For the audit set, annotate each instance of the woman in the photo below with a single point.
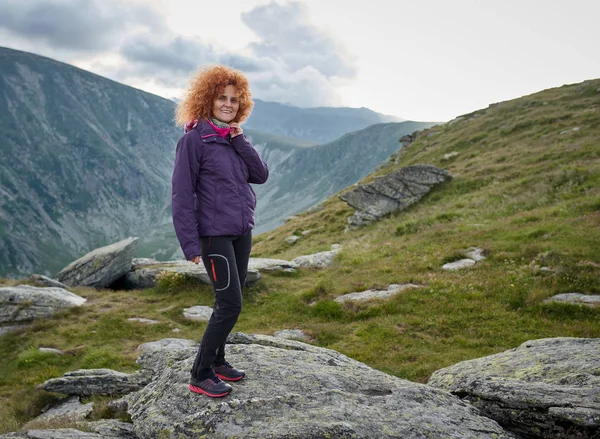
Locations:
(213, 207)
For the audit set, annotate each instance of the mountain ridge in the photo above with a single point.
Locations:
(91, 164)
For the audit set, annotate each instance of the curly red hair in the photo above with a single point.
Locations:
(206, 86)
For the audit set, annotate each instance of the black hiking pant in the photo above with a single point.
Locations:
(226, 261)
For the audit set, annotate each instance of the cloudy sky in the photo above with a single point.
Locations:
(428, 60)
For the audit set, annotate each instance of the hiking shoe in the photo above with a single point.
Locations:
(211, 386)
(227, 372)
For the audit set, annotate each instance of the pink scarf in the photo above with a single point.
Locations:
(223, 132)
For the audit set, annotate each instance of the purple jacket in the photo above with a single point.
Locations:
(211, 194)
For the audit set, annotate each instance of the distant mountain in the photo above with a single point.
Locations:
(87, 161)
(318, 125)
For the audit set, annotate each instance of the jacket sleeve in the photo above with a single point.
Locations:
(182, 196)
(259, 172)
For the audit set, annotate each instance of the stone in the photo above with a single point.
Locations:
(147, 275)
(576, 298)
(265, 264)
(318, 260)
(477, 254)
(45, 281)
(306, 232)
(313, 393)
(450, 155)
(198, 313)
(25, 302)
(394, 192)
(391, 291)
(290, 218)
(457, 265)
(100, 267)
(292, 239)
(570, 131)
(51, 351)
(291, 334)
(88, 382)
(543, 388)
(68, 409)
(143, 320)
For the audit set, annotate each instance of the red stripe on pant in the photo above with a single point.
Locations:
(212, 263)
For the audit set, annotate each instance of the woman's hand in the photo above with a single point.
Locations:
(195, 260)
(236, 129)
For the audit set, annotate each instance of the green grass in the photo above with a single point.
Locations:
(522, 191)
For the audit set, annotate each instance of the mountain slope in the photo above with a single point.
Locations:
(318, 125)
(526, 189)
(90, 162)
(85, 161)
(310, 175)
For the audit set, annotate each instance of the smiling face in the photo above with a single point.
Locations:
(226, 105)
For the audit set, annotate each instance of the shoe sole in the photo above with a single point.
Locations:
(226, 378)
(204, 392)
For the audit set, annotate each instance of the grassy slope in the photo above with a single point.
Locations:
(523, 191)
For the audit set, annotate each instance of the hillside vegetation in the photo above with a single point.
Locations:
(525, 189)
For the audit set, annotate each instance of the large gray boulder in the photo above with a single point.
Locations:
(391, 193)
(147, 274)
(100, 267)
(45, 281)
(25, 302)
(543, 388)
(266, 264)
(87, 382)
(294, 390)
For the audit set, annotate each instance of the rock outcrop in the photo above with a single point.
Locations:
(147, 274)
(363, 296)
(318, 260)
(576, 299)
(458, 265)
(266, 264)
(543, 388)
(473, 255)
(68, 409)
(105, 429)
(100, 267)
(24, 302)
(45, 281)
(391, 193)
(87, 382)
(313, 392)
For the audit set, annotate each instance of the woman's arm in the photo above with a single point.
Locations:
(259, 172)
(183, 182)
